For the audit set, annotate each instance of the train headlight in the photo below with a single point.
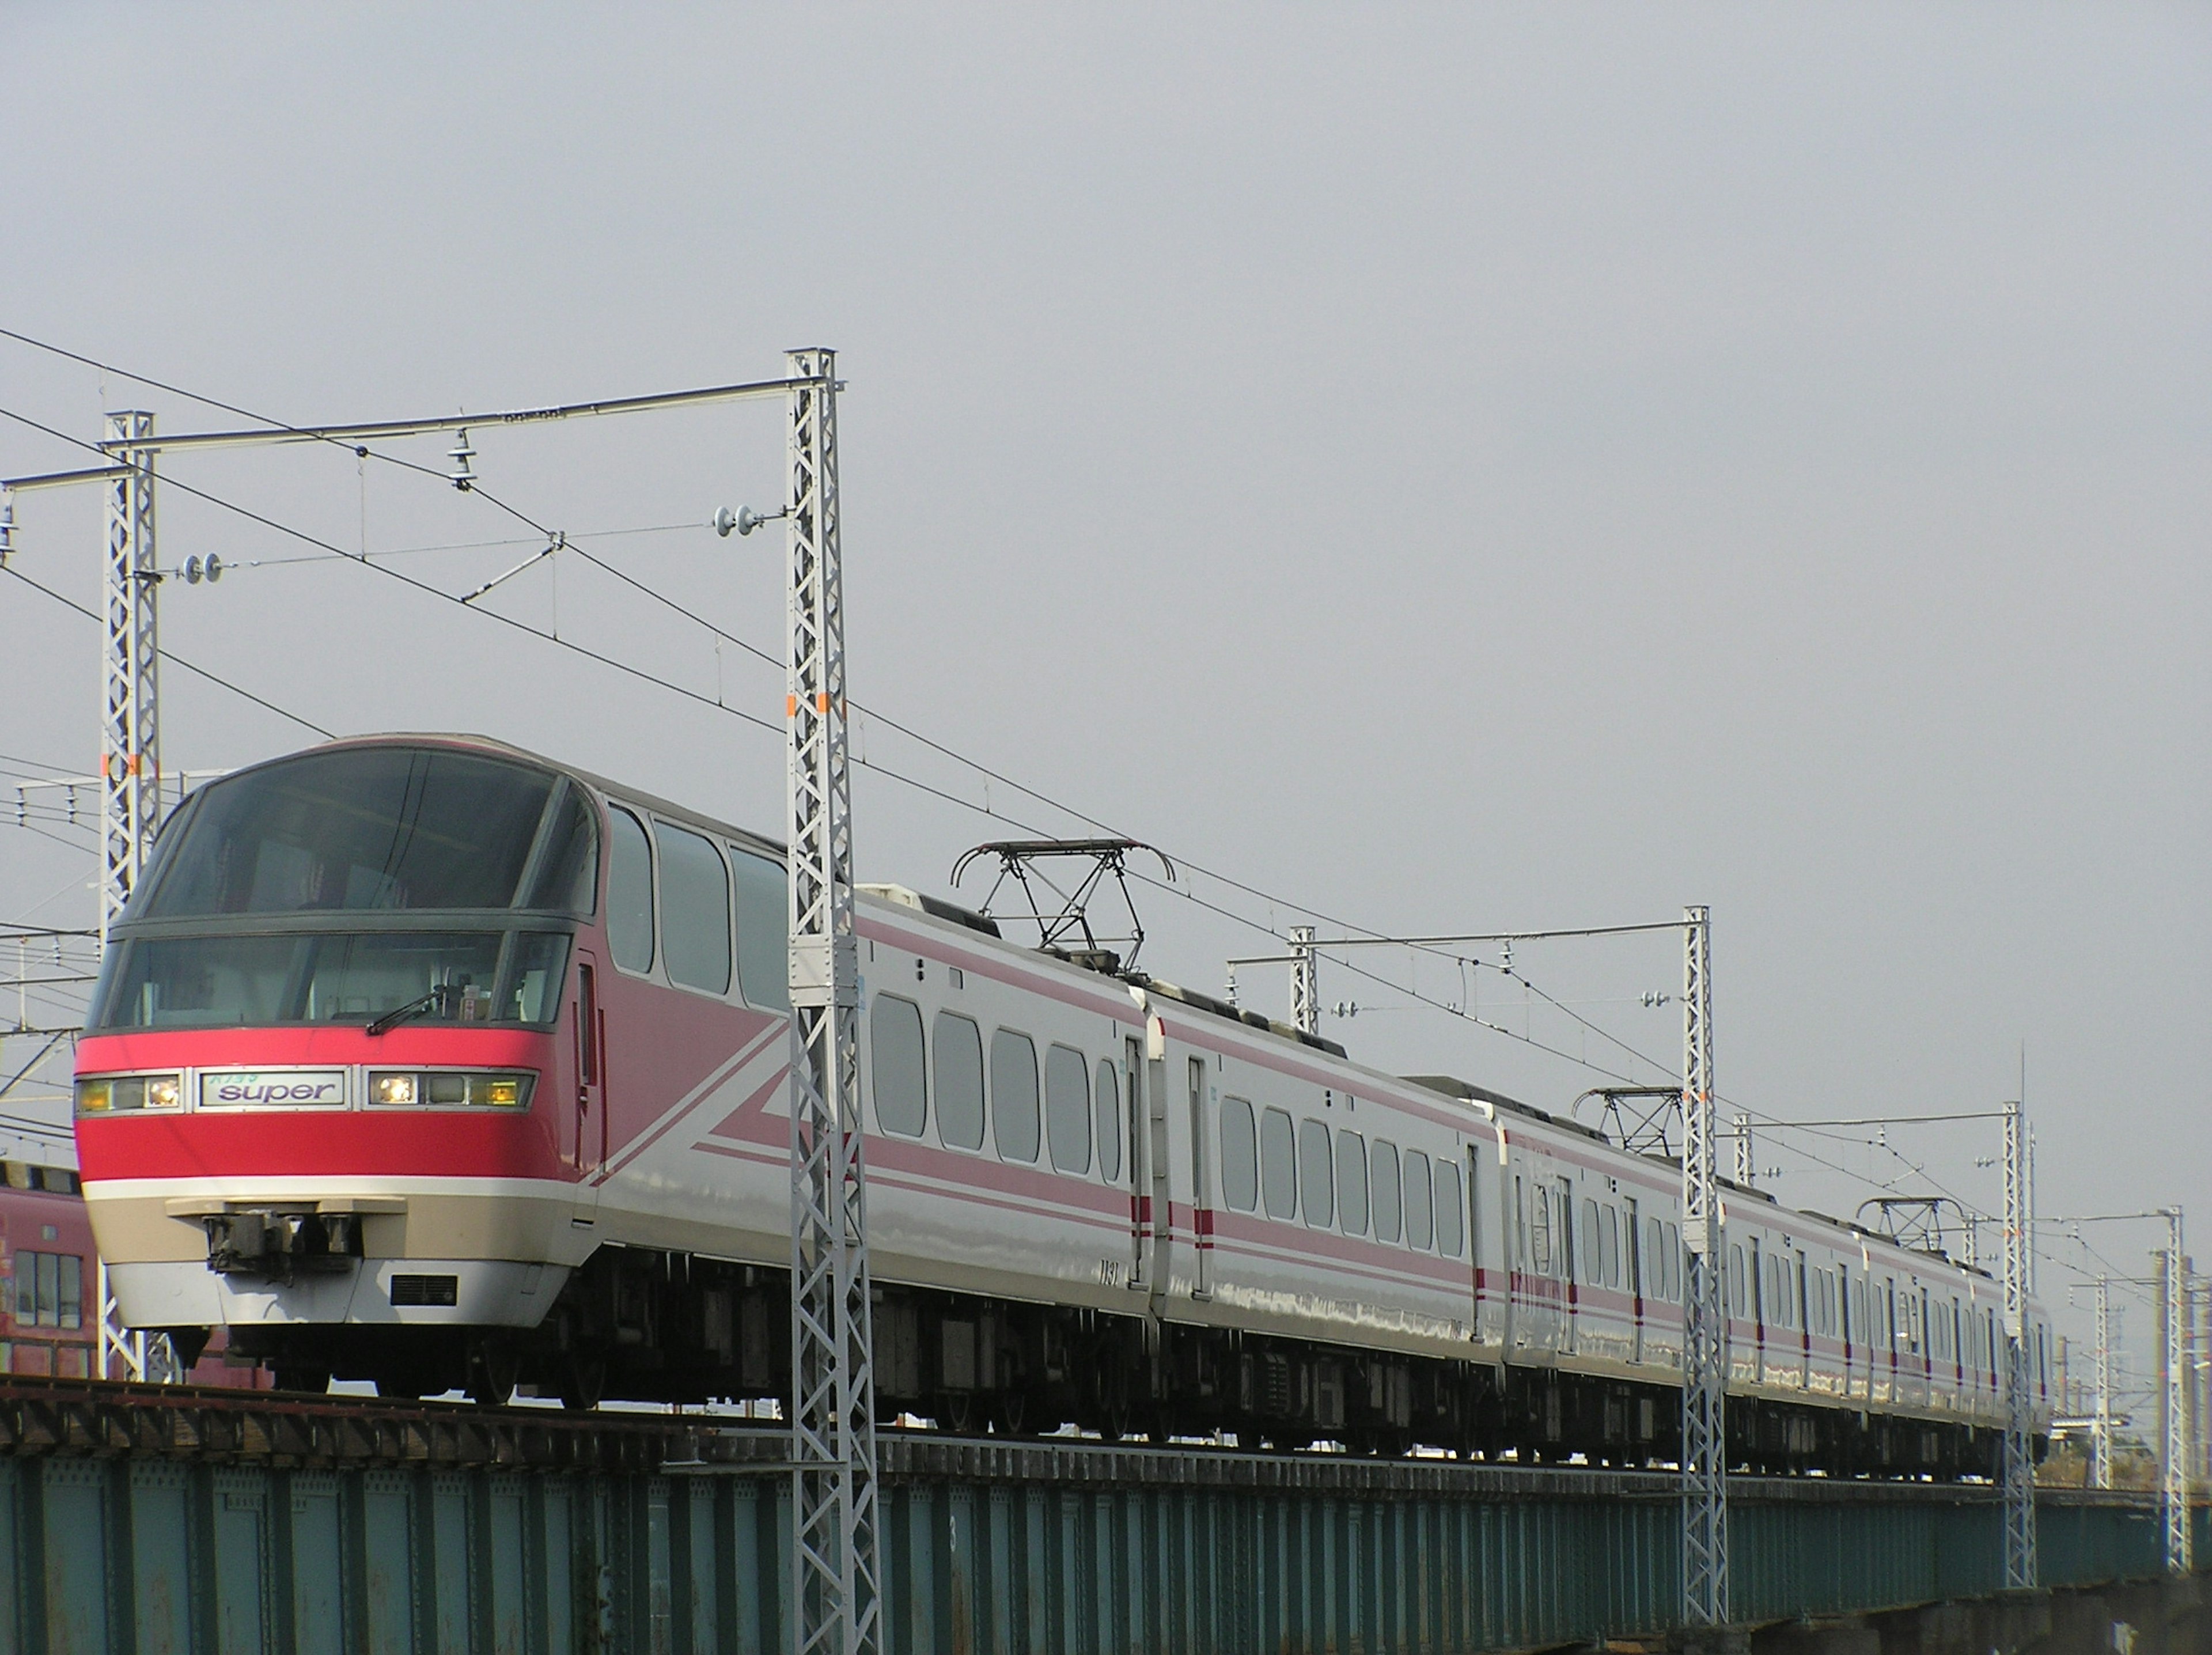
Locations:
(121, 1094)
(452, 1089)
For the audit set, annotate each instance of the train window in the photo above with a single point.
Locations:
(1738, 1306)
(763, 930)
(1448, 1211)
(1382, 1185)
(1672, 1258)
(1240, 1156)
(48, 1268)
(1317, 1177)
(629, 892)
(1067, 1109)
(896, 1062)
(1610, 1219)
(70, 1299)
(568, 875)
(1351, 1182)
(1420, 1211)
(1655, 1259)
(694, 903)
(1013, 1096)
(1593, 1271)
(1107, 1099)
(378, 827)
(1540, 1233)
(541, 960)
(1279, 1164)
(958, 1073)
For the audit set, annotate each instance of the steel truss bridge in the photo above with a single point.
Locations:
(139, 1518)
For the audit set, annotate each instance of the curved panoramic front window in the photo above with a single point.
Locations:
(366, 829)
(356, 977)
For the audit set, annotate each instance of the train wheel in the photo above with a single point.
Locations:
(290, 1376)
(583, 1382)
(493, 1370)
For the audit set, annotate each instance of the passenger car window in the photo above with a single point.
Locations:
(763, 930)
(1014, 1095)
(1240, 1161)
(1067, 1109)
(958, 1073)
(1106, 1097)
(1382, 1184)
(695, 901)
(895, 1037)
(1420, 1225)
(1316, 1176)
(1352, 1183)
(1450, 1213)
(629, 892)
(1279, 1164)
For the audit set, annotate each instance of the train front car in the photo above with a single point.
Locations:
(326, 1091)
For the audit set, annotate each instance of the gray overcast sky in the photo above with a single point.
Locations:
(1456, 469)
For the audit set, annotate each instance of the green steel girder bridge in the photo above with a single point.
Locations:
(141, 1519)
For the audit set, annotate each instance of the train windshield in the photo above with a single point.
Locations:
(365, 977)
(384, 828)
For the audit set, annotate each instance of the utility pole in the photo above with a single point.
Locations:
(834, 1595)
(2101, 1429)
(131, 721)
(1744, 1169)
(2173, 1366)
(1704, 1325)
(2021, 1571)
(1305, 982)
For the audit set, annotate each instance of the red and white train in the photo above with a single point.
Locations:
(428, 1061)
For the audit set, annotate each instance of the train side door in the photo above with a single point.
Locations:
(1632, 1235)
(587, 1131)
(1159, 1221)
(1201, 1188)
(1138, 1125)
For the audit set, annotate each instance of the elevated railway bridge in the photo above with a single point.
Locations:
(143, 1518)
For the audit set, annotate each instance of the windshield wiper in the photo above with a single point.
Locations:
(438, 1000)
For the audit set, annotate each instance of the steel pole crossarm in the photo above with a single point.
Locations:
(372, 430)
(60, 479)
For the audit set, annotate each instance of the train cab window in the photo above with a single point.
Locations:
(1106, 1098)
(958, 1074)
(1067, 1109)
(1351, 1182)
(1317, 1176)
(896, 1063)
(630, 892)
(1382, 1185)
(1240, 1156)
(1279, 1164)
(763, 931)
(1420, 1209)
(541, 960)
(695, 909)
(1014, 1095)
(1609, 1250)
(1450, 1213)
